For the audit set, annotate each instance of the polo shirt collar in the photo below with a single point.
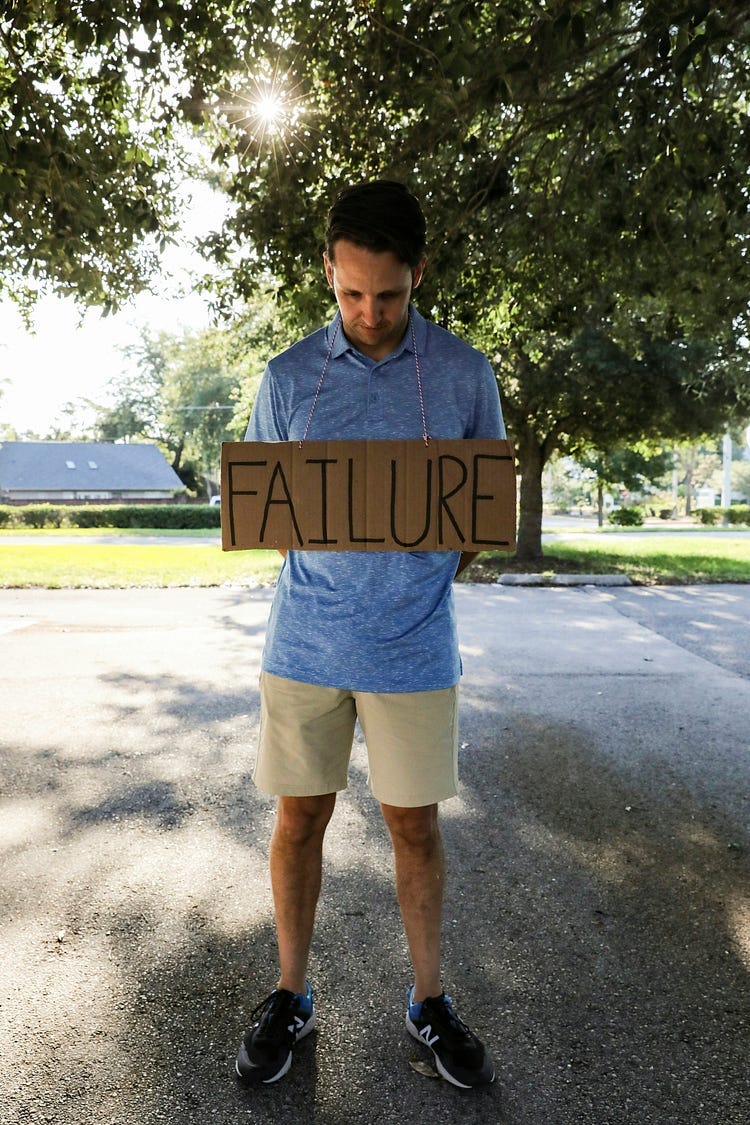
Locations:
(341, 345)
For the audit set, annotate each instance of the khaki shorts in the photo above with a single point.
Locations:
(306, 735)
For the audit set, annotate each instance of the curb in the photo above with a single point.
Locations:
(563, 580)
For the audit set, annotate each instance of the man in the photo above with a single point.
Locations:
(368, 635)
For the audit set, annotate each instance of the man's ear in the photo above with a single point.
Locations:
(418, 273)
(328, 265)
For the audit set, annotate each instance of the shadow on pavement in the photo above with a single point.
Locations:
(619, 934)
(597, 923)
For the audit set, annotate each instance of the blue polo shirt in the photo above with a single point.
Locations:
(371, 620)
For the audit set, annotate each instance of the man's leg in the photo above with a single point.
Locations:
(296, 866)
(460, 1056)
(420, 875)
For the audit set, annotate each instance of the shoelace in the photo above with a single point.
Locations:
(454, 1022)
(273, 1022)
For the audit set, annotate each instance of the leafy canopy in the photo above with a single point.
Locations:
(91, 138)
(583, 166)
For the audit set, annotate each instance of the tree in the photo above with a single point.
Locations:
(584, 170)
(193, 390)
(583, 166)
(182, 400)
(595, 392)
(696, 465)
(629, 468)
(94, 104)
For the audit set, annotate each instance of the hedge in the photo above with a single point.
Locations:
(186, 517)
(737, 515)
(180, 517)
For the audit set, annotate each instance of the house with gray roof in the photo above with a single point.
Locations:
(76, 472)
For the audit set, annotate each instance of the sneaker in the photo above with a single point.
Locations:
(459, 1055)
(281, 1019)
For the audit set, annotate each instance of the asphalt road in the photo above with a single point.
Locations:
(598, 911)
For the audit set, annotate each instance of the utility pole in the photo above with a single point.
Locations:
(726, 460)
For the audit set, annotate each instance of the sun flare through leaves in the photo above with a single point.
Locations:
(270, 114)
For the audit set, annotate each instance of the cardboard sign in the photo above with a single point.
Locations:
(457, 495)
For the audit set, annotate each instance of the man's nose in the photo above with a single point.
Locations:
(372, 311)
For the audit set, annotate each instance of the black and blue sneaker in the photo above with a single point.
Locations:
(460, 1057)
(280, 1020)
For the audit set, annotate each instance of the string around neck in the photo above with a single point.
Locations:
(337, 321)
(425, 432)
(337, 327)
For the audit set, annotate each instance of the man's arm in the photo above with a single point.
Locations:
(487, 422)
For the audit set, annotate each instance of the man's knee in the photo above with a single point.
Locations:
(300, 820)
(416, 829)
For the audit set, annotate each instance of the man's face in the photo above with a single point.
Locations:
(372, 291)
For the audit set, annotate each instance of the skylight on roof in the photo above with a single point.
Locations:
(93, 465)
(71, 464)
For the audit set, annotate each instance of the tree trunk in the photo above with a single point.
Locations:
(531, 462)
(689, 472)
(177, 458)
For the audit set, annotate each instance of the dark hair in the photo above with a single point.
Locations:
(380, 215)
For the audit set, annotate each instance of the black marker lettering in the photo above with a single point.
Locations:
(279, 472)
(477, 496)
(324, 462)
(428, 508)
(352, 537)
(239, 491)
(444, 497)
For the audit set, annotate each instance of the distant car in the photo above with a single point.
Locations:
(214, 501)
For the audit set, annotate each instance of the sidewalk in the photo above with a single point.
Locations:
(597, 924)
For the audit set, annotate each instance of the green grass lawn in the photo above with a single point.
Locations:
(679, 560)
(98, 565)
(108, 532)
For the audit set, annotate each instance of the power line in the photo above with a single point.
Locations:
(215, 406)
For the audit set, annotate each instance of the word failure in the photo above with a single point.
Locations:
(457, 495)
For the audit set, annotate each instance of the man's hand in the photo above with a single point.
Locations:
(467, 557)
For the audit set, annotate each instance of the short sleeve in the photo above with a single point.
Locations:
(266, 421)
(487, 421)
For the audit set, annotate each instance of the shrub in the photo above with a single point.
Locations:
(7, 515)
(708, 516)
(42, 515)
(627, 517)
(738, 514)
(180, 517)
(99, 516)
